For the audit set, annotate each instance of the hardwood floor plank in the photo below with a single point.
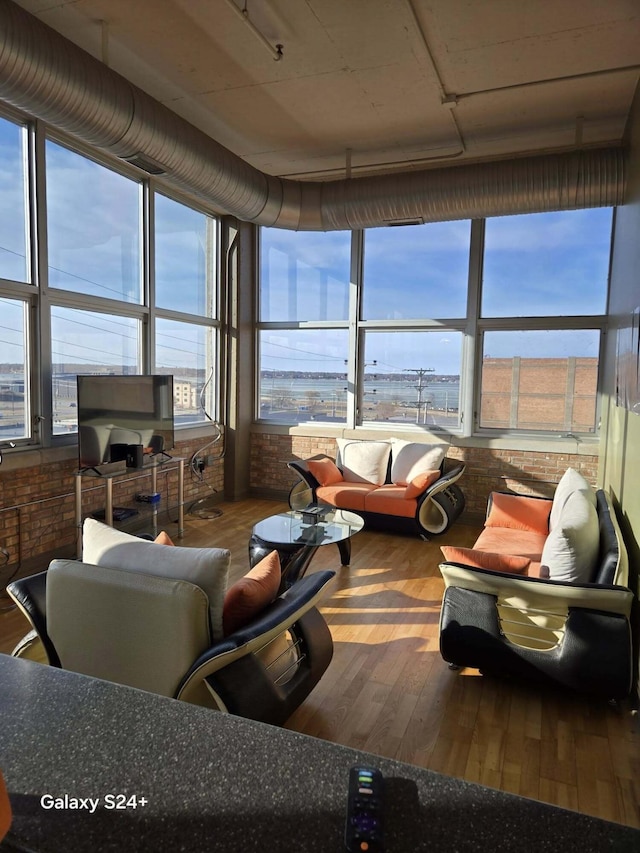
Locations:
(389, 692)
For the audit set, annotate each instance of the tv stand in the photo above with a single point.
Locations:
(107, 477)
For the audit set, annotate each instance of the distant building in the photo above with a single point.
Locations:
(184, 395)
(539, 393)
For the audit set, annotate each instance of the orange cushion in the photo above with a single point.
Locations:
(325, 471)
(390, 500)
(519, 513)
(421, 482)
(251, 594)
(345, 495)
(486, 560)
(501, 540)
(163, 538)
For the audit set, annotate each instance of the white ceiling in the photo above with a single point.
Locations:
(370, 76)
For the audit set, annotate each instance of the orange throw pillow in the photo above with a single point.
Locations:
(519, 513)
(163, 539)
(251, 594)
(486, 560)
(325, 471)
(421, 482)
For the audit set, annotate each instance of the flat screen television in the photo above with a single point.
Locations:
(118, 413)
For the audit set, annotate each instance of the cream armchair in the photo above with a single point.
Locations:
(162, 634)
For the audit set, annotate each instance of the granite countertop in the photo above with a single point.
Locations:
(213, 782)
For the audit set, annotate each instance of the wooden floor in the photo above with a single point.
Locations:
(388, 690)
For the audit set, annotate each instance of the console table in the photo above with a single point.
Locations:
(214, 782)
(107, 479)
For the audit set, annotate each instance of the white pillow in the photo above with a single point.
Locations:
(410, 458)
(207, 568)
(363, 461)
(571, 549)
(570, 482)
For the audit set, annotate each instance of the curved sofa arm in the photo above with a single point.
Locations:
(451, 474)
(276, 618)
(303, 492)
(442, 502)
(30, 594)
(526, 593)
(302, 470)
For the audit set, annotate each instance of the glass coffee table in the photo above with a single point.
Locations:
(296, 535)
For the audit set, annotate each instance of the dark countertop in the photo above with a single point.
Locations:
(220, 783)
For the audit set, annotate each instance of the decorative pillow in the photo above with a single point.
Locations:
(486, 560)
(325, 471)
(571, 549)
(421, 482)
(364, 461)
(207, 568)
(571, 481)
(163, 538)
(410, 458)
(251, 594)
(519, 513)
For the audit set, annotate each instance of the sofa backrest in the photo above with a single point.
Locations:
(612, 566)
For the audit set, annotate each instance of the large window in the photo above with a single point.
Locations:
(492, 326)
(304, 339)
(540, 380)
(416, 271)
(186, 298)
(303, 375)
(547, 264)
(100, 300)
(412, 378)
(94, 227)
(14, 370)
(87, 342)
(545, 281)
(304, 276)
(15, 261)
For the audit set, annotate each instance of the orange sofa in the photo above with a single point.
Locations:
(393, 484)
(543, 594)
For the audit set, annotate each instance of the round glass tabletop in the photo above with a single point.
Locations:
(289, 528)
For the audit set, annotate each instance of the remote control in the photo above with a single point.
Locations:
(363, 831)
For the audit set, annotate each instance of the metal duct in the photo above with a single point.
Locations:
(46, 75)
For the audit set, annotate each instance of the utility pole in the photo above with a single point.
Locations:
(420, 386)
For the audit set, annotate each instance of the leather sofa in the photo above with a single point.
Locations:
(544, 593)
(393, 484)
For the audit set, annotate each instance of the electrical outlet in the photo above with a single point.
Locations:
(200, 464)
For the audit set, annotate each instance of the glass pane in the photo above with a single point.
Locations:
(87, 342)
(304, 275)
(93, 227)
(186, 351)
(412, 378)
(14, 371)
(303, 375)
(540, 380)
(185, 241)
(14, 242)
(416, 271)
(547, 264)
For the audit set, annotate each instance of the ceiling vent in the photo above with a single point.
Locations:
(147, 164)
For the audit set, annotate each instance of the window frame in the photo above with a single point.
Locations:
(41, 299)
(473, 328)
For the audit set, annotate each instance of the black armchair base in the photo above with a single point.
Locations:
(471, 636)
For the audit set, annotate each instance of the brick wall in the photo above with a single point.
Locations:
(37, 504)
(529, 472)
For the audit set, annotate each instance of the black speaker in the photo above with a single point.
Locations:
(118, 452)
(135, 456)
